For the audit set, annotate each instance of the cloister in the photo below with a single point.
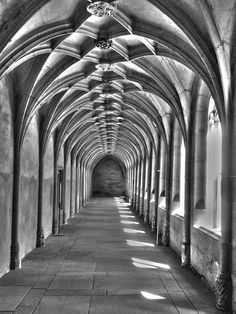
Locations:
(125, 99)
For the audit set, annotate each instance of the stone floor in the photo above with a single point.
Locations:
(105, 263)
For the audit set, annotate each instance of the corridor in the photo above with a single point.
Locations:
(103, 262)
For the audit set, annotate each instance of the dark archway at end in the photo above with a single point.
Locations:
(109, 178)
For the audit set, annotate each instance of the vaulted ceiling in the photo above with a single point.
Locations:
(106, 77)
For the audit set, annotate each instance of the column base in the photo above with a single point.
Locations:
(166, 239)
(15, 262)
(185, 254)
(64, 217)
(146, 218)
(54, 226)
(159, 238)
(153, 225)
(223, 289)
(40, 238)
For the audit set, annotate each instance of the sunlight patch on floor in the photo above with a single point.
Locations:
(148, 264)
(151, 296)
(127, 222)
(133, 231)
(127, 216)
(139, 243)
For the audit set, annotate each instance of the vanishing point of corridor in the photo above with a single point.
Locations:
(103, 262)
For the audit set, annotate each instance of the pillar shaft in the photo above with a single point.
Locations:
(200, 152)
(15, 248)
(176, 163)
(143, 185)
(71, 185)
(149, 180)
(40, 234)
(55, 196)
(224, 281)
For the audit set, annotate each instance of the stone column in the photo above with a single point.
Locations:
(200, 152)
(82, 184)
(15, 262)
(76, 186)
(162, 170)
(149, 180)
(223, 286)
(139, 183)
(71, 184)
(64, 186)
(40, 234)
(176, 163)
(134, 187)
(168, 186)
(188, 196)
(143, 185)
(55, 195)
(157, 179)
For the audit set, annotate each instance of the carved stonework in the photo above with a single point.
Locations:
(213, 117)
(106, 84)
(223, 289)
(102, 8)
(103, 43)
(105, 66)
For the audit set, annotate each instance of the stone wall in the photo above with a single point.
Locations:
(28, 206)
(176, 233)
(108, 178)
(6, 177)
(205, 253)
(205, 246)
(161, 224)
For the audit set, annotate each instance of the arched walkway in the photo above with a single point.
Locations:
(105, 262)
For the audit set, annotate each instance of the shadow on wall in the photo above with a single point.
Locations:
(109, 178)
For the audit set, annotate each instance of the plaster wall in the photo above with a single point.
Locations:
(29, 190)
(108, 179)
(48, 189)
(6, 177)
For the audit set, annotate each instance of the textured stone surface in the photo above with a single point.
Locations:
(108, 178)
(93, 269)
(205, 255)
(6, 177)
(48, 190)
(176, 233)
(29, 190)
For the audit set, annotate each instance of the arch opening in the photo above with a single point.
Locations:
(109, 178)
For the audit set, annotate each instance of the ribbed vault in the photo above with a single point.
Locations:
(108, 76)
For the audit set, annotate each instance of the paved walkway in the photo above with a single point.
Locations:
(104, 264)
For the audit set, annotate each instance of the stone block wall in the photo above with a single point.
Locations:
(205, 253)
(108, 179)
(176, 233)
